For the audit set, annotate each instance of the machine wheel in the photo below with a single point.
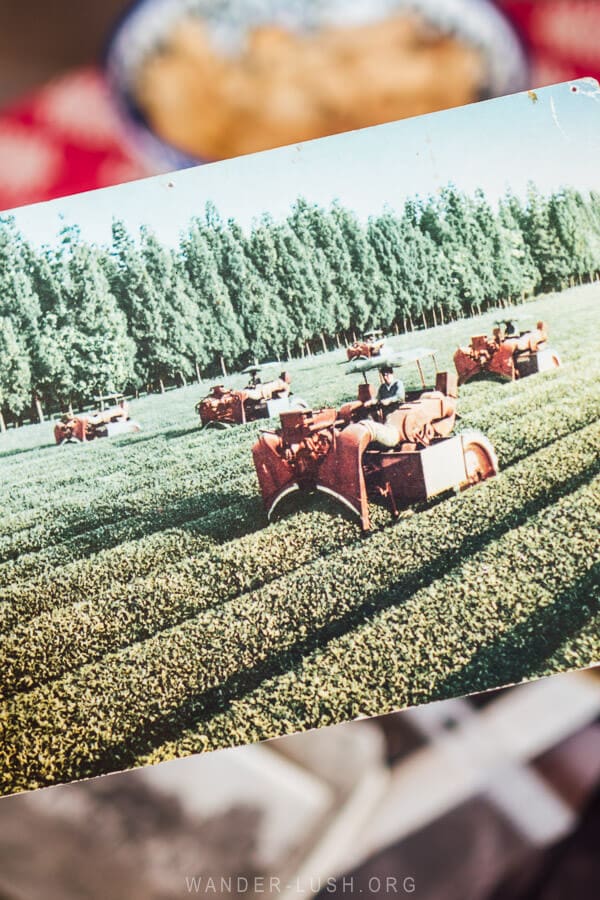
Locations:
(480, 457)
(298, 403)
(220, 426)
(71, 440)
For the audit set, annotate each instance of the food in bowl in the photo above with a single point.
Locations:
(283, 86)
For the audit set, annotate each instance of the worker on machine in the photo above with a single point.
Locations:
(253, 380)
(118, 413)
(280, 387)
(391, 390)
(505, 331)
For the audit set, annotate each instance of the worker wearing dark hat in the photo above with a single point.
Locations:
(254, 378)
(391, 390)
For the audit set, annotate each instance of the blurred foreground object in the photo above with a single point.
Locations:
(199, 81)
(444, 801)
(283, 86)
(561, 37)
(68, 137)
(61, 140)
(570, 868)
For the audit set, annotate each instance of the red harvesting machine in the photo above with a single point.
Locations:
(364, 452)
(371, 345)
(509, 353)
(110, 422)
(224, 407)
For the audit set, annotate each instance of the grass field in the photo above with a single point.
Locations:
(146, 611)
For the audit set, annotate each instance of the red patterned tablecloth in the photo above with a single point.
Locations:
(61, 140)
(65, 137)
(562, 37)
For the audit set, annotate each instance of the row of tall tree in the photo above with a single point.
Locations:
(78, 319)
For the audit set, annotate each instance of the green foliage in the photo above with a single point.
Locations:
(139, 315)
(100, 351)
(516, 270)
(539, 230)
(15, 374)
(488, 621)
(254, 304)
(216, 321)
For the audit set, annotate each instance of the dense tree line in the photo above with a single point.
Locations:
(77, 319)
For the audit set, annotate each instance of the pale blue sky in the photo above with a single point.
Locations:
(495, 145)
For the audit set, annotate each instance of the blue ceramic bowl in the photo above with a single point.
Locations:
(148, 23)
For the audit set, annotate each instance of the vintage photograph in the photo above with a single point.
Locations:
(302, 437)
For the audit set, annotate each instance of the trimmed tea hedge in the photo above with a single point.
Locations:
(183, 665)
(121, 613)
(520, 430)
(489, 621)
(146, 612)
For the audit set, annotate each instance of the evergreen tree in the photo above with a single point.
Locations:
(31, 296)
(50, 370)
(451, 224)
(95, 339)
(18, 303)
(415, 269)
(252, 298)
(222, 336)
(172, 343)
(313, 229)
(494, 261)
(388, 241)
(519, 275)
(262, 252)
(542, 239)
(298, 286)
(138, 299)
(320, 234)
(569, 220)
(369, 298)
(570, 248)
(15, 374)
(589, 226)
(285, 264)
(592, 208)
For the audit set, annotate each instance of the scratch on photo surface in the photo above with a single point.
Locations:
(556, 120)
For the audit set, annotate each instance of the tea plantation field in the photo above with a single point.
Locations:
(148, 611)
